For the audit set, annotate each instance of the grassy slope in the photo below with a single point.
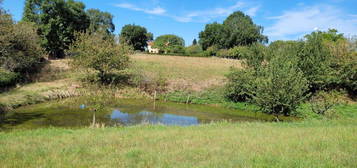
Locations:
(310, 144)
(196, 73)
(59, 80)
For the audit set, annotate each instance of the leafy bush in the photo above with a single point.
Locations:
(104, 57)
(238, 52)
(211, 51)
(277, 87)
(322, 103)
(315, 61)
(194, 50)
(348, 76)
(7, 78)
(20, 50)
(241, 85)
(281, 86)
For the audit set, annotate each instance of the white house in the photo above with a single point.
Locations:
(151, 49)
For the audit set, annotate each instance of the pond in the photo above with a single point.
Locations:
(72, 113)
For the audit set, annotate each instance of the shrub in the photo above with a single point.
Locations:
(348, 77)
(280, 87)
(315, 61)
(240, 52)
(107, 59)
(241, 84)
(322, 103)
(20, 50)
(223, 53)
(194, 50)
(211, 51)
(7, 78)
(277, 87)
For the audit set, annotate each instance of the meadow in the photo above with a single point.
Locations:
(304, 144)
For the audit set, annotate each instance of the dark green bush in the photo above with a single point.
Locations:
(7, 78)
(20, 50)
(348, 77)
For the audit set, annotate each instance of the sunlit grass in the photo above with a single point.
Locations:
(198, 73)
(306, 144)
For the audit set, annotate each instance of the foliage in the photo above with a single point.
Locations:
(135, 36)
(315, 61)
(170, 44)
(193, 50)
(106, 58)
(20, 51)
(237, 30)
(348, 76)
(323, 103)
(272, 80)
(211, 51)
(241, 85)
(100, 21)
(7, 78)
(280, 87)
(215, 34)
(242, 30)
(57, 21)
(194, 42)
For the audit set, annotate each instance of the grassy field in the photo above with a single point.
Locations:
(195, 73)
(306, 144)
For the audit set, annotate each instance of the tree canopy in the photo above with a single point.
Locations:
(100, 21)
(237, 30)
(170, 43)
(135, 36)
(57, 21)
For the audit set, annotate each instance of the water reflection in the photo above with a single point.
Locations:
(72, 113)
(147, 117)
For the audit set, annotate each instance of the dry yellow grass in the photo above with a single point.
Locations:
(195, 73)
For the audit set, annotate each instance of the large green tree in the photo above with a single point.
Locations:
(237, 30)
(57, 20)
(100, 21)
(242, 30)
(215, 34)
(135, 36)
(170, 43)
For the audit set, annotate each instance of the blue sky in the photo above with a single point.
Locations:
(281, 19)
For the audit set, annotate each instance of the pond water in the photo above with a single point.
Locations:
(75, 113)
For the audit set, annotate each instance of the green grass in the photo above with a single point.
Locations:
(306, 144)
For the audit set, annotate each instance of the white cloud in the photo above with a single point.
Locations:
(297, 22)
(154, 11)
(195, 16)
(206, 15)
